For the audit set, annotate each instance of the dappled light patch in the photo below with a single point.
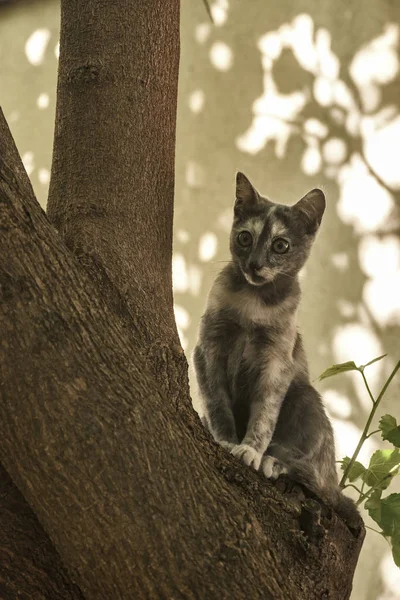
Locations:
(221, 56)
(182, 319)
(43, 100)
(337, 404)
(44, 176)
(379, 256)
(36, 45)
(381, 296)
(311, 161)
(340, 261)
(375, 64)
(183, 236)
(315, 128)
(179, 273)
(323, 91)
(28, 160)
(195, 276)
(275, 113)
(363, 201)
(346, 438)
(382, 147)
(196, 101)
(219, 11)
(186, 278)
(356, 341)
(194, 174)
(208, 246)
(334, 151)
(202, 32)
(225, 220)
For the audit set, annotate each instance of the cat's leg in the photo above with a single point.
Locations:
(213, 385)
(303, 438)
(264, 411)
(263, 417)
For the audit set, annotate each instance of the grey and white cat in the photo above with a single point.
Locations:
(250, 364)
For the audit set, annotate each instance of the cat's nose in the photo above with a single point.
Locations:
(255, 265)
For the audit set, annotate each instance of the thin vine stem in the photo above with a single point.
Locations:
(372, 433)
(353, 486)
(367, 494)
(392, 473)
(364, 434)
(367, 386)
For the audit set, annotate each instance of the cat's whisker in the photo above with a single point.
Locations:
(290, 276)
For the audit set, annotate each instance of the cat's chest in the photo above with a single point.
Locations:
(251, 348)
(260, 348)
(252, 312)
(258, 339)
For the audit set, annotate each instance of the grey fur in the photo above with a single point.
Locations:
(250, 363)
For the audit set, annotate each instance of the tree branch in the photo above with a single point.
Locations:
(111, 194)
(28, 559)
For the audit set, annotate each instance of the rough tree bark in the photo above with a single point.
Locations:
(111, 487)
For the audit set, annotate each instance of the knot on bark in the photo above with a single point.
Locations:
(84, 74)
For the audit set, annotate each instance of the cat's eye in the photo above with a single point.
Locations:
(245, 239)
(280, 246)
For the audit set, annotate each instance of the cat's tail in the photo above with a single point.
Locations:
(344, 506)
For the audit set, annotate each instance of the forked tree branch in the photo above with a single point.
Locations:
(136, 498)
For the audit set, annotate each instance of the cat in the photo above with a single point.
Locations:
(249, 360)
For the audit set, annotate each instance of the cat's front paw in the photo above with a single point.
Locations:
(272, 467)
(248, 455)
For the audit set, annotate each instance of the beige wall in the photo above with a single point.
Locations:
(297, 94)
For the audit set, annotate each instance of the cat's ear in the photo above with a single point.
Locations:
(310, 210)
(246, 193)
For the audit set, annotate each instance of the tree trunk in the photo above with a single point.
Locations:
(124, 495)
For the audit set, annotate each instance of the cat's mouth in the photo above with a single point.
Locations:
(257, 279)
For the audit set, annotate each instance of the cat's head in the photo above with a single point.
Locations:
(269, 239)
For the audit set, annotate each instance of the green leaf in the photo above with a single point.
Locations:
(390, 430)
(384, 465)
(373, 505)
(336, 369)
(371, 362)
(385, 512)
(356, 471)
(396, 547)
(390, 515)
